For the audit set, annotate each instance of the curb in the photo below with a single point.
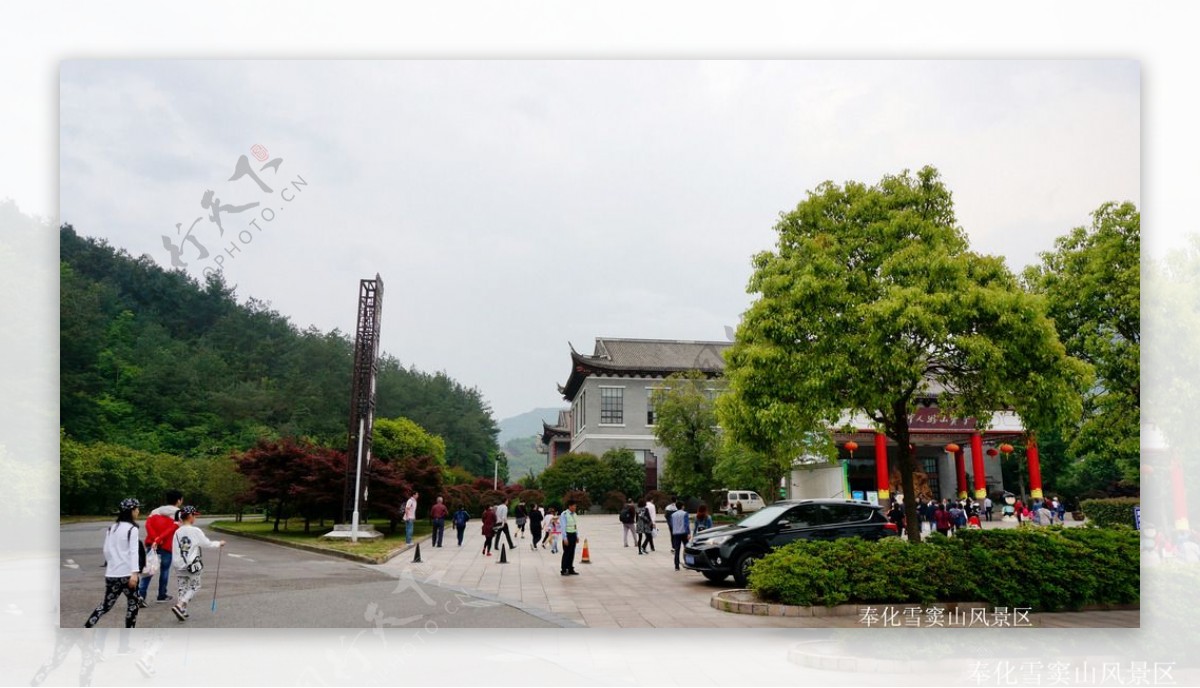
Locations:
(320, 550)
(744, 601)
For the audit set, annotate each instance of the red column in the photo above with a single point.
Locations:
(1035, 469)
(882, 482)
(977, 465)
(960, 465)
(1178, 495)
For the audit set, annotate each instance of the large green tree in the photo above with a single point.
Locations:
(572, 471)
(1092, 285)
(685, 422)
(400, 438)
(872, 301)
(626, 475)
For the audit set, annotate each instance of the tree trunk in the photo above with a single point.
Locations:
(908, 466)
(278, 513)
(307, 521)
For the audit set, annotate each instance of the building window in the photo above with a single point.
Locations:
(580, 405)
(612, 405)
(650, 417)
(930, 465)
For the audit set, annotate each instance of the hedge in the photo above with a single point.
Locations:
(1110, 512)
(1045, 569)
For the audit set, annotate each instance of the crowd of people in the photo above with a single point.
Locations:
(173, 543)
(553, 529)
(950, 515)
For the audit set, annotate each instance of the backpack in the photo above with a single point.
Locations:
(460, 518)
(627, 515)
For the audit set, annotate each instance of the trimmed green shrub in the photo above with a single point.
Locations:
(1110, 512)
(1045, 569)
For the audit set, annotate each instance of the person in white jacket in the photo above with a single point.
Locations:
(122, 568)
(187, 562)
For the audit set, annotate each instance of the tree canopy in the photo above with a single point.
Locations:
(685, 422)
(1092, 285)
(154, 361)
(873, 301)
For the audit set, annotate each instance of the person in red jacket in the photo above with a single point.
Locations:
(160, 531)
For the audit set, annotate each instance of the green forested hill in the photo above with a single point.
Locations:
(154, 361)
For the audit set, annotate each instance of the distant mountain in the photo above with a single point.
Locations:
(526, 424)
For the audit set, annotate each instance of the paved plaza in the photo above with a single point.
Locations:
(621, 589)
(268, 585)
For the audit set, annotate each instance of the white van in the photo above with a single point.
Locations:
(747, 500)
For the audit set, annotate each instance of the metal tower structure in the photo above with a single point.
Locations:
(362, 397)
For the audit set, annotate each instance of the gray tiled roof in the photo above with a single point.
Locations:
(660, 354)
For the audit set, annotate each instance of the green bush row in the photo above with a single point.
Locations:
(1109, 512)
(1045, 569)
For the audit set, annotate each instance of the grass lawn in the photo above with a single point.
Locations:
(378, 550)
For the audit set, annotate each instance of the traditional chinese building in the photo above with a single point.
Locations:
(610, 393)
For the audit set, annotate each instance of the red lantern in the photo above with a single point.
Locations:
(1006, 448)
(952, 448)
(992, 451)
(851, 446)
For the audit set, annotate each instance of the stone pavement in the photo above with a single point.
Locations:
(621, 589)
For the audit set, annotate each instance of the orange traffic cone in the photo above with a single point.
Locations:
(586, 559)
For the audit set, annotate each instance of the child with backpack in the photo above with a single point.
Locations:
(188, 545)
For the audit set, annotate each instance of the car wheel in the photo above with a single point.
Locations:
(741, 570)
(715, 576)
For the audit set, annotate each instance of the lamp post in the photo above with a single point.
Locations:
(495, 471)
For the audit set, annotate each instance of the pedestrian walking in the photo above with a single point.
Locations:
(679, 526)
(667, 511)
(489, 527)
(535, 526)
(958, 517)
(160, 533)
(124, 559)
(438, 515)
(987, 508)
(1045, 517)
(410, 517)
(461, 516)
(628, 518)
(522, 516)
(189, 546)
(570, 530)
(553, 530)
(703, 520)
(895, 515)
(942, 520)
(501, 527)
(1060, 510)
(645, 528)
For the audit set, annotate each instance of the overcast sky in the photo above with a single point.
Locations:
(511, 207)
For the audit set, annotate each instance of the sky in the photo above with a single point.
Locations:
(515, 208)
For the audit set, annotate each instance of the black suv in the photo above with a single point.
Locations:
(718, 552)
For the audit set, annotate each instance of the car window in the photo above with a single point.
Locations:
(762, 517)
(803, 516)
(754, 496)
(861, 513)
(838, 513)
